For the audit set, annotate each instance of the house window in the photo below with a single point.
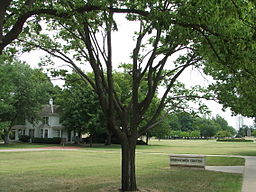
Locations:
(58, 133)
(46, 120)
(46, 133)
(23, 132)
(41, 133)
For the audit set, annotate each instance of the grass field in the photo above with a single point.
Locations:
(202, 147)
(96, 171)
(98, 168)
(207, 147)
(24, 145)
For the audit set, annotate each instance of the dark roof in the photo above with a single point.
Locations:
(47, 110)
(19, 127)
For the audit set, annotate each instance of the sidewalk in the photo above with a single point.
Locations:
(249, 172)
(226, 169)
(249, 182)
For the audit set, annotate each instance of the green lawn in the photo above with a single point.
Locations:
(24, 145)
(225, 161)
(172, 146)
(200, 147)
(65, 171)
(98, 168)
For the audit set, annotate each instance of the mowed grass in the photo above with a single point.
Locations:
(24, 145)
(207, 147)
(99, 170)
(225, 161)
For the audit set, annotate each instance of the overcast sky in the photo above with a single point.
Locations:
(123, 45)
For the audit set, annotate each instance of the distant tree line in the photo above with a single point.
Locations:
(187, 125)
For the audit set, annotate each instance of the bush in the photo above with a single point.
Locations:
(54, 140)
(234, 140)
(222, 134)
(94, 140)
(24, 138)
(114, 140)
(98, 140)
(254, 133)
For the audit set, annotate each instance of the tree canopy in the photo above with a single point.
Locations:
(79, 107)
(232, 63)
(22, 92)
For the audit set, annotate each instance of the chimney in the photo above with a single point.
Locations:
(51, 104)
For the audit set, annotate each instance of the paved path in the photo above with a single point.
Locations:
(249, 170)
(249, 182)
(226, 169)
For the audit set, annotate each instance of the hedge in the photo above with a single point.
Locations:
(114, 140)
(24, 138)
(54, 140)
(234, 140)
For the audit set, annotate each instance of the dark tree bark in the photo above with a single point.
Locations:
(128, 165)
(109, 138)
(6, 136)
(91, 140)
(147, 138)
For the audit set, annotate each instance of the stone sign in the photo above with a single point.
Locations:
(187, 160)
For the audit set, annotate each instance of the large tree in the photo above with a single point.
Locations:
(224, 125)
(15, 14)
(232, 64)
(207, 127)
(180, 30)
(22, 92)
(13, 18)
(79, 107)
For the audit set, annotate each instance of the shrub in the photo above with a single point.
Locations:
(54, 140)
(114, 140)
(254, 133)
(98, 140)
(24, 138)
(234, 140)
(223, 133)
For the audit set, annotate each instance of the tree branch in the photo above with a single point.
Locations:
(162, 102)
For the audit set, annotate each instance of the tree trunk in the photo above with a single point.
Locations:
(69, 135)
(128, 166)
(90, 140)
(147, 138)
(108, 139)
(6, 137)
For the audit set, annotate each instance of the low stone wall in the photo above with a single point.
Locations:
(187, 160)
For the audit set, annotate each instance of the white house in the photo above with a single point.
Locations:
(48, 127)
